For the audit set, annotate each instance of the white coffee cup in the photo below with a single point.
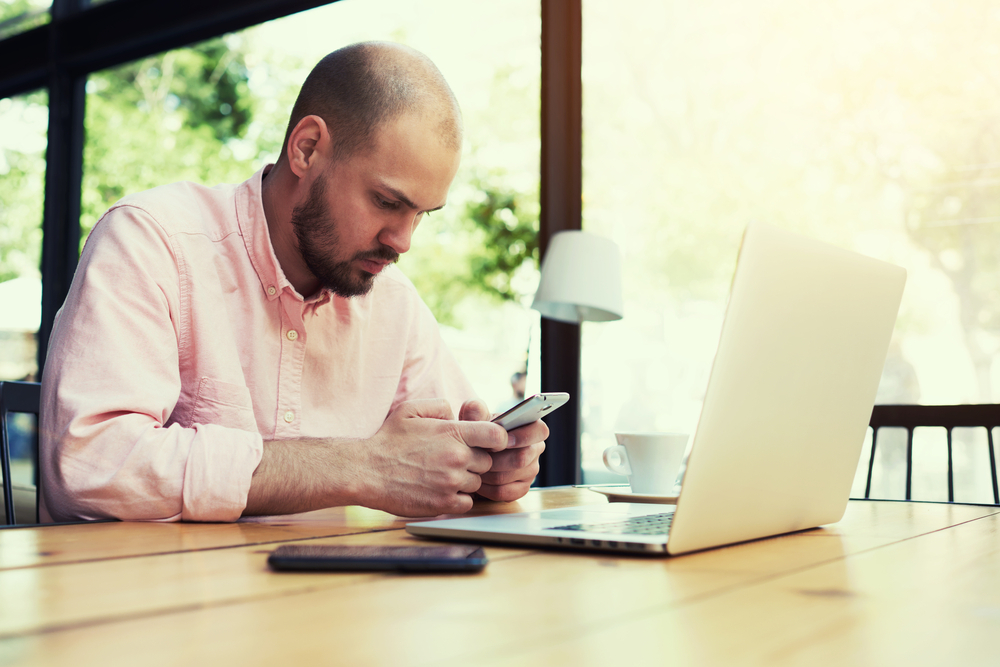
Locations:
(651, 461)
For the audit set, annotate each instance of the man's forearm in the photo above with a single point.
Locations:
(303, 475)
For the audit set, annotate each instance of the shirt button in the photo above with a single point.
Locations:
(289, 416)
(292, 334)
(271, 290)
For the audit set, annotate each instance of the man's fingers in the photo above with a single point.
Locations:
(474, 411)
(459, 503)
(471, 484)
(526, 474)
(431, 408)
(529, 434)
(506, 492)
(516, 459)
(462, 504)
(483, 435)
(470, 429)
(480, 462)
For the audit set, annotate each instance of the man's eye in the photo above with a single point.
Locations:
(385, 203)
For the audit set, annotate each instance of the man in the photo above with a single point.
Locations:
(251, 349)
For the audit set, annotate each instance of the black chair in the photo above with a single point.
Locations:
(18, 397)
(949, 417)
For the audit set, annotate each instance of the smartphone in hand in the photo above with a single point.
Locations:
(531, 409)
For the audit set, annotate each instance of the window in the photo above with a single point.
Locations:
(871, 126)
(23, 122)
(20, 15)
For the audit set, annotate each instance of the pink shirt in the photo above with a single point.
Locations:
(182, 347)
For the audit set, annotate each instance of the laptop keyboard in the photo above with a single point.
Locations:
(652, 524)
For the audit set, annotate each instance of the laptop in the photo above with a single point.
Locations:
(792, 386)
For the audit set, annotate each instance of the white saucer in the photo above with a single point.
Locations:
(623, 494)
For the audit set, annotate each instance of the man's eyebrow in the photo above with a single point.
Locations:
(406, 200)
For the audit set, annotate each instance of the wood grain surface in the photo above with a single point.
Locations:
(885, 584)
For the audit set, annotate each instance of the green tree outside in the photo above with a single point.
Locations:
(22, 184)
(176, 116)
(20, 15)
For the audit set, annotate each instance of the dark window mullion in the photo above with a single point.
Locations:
(561, 197)
(63, 180)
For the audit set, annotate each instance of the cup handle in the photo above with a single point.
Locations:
(616, 460)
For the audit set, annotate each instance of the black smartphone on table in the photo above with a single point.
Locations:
(348, 558)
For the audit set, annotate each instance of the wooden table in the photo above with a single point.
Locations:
(891, 584)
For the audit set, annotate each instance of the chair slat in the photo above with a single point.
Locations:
(993, 466)
(909, 463)
(15, 397)
(871, 465)
(951, 472)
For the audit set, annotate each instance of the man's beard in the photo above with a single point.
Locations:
(316, 233)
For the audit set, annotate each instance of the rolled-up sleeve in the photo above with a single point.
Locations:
(111, 446)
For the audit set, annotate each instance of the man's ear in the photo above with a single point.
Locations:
(307, 145)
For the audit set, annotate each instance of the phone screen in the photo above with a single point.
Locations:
(437, 558)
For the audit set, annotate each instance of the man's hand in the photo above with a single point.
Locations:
(513, 469)
(423, 463)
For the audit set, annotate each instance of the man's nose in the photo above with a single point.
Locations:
(398, 235)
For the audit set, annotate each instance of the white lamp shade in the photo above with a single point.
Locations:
(581, 279)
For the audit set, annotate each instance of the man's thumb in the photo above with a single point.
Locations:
(474, 411)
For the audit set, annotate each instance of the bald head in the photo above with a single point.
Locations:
(359, 88)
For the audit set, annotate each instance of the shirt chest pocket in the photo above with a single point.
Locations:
(224, 404)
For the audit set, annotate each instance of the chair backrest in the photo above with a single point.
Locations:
(949, 417)
(16, 397)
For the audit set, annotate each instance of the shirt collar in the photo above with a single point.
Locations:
(253, 228)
